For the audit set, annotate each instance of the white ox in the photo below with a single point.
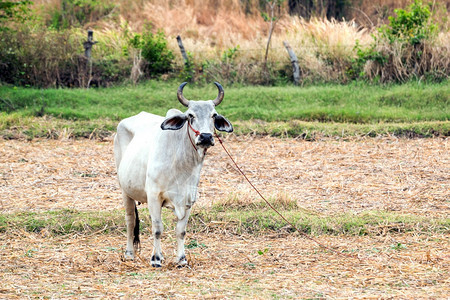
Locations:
(158, 162)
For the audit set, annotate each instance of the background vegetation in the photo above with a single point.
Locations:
(41, 43)
(41, 46)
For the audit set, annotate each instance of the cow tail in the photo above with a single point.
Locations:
(136, 241)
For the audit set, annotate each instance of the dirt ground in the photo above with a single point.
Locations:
(329, 176)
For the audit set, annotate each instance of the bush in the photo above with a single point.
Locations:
(36, 57)
(412, 26)
(154, 50)
(405, 48)
(363, 55)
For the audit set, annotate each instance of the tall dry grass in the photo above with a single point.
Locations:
(405, 61)
(324, 48)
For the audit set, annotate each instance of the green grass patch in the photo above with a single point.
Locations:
(366, 223)
(233, 220)
(355, 109)
(313, 130)
(61, 222)
(16, 125)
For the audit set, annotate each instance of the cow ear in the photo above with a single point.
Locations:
(222, 124)
(174, 123)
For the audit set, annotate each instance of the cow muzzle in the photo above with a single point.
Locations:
(205, 140)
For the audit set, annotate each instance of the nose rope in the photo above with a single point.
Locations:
(197, 133)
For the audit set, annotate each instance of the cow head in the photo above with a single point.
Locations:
(201, 117)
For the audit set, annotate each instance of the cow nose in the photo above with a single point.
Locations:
(205, 139)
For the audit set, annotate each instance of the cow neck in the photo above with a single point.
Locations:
(197, 133)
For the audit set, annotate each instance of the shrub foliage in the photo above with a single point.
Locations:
(154, 50)
(412, 26)
(404, 49)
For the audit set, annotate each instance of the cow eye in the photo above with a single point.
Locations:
(214, 115)
(191, 116)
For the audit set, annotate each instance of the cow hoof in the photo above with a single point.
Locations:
(129, 255)
(156, 261)
(182, 262)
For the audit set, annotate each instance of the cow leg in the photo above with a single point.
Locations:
(157, 230)
(181, 233)
(130, 219)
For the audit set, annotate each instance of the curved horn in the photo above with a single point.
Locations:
(221, 94)
(180, 96)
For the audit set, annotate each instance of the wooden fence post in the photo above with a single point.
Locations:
(294, 61)
(185, 57)
(88, 53)
(88, 44)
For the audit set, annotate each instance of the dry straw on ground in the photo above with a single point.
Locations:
(224, 267)
(328, 176)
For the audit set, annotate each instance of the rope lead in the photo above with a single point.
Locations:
(273, 208)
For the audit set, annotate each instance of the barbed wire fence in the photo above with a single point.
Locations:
(291, 63)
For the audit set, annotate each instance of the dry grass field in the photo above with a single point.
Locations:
(326, 176)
